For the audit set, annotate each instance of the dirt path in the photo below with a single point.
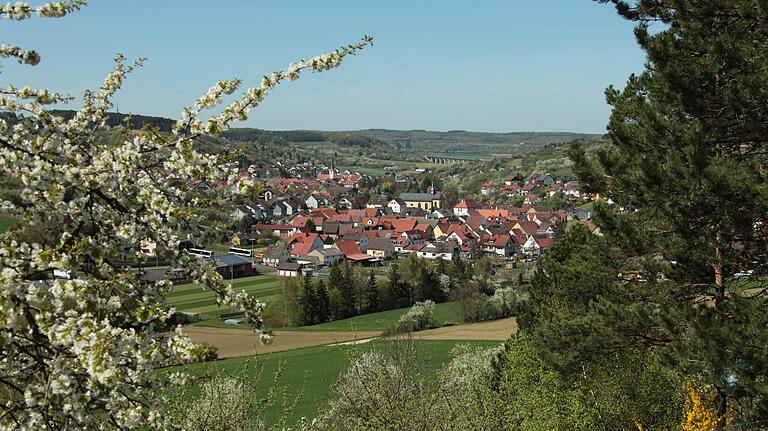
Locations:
(238, 342)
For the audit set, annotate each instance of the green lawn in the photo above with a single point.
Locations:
(6, 223)
(380, 321)
(190, 297)
(312, 371)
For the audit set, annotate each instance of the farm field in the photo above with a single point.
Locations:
(311, 372)
(242, 342)
(191, 298)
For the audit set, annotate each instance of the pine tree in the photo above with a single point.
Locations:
(308, 302)
(687, 158)
(372, 303)
(429, 286)
(323, 302)
(401, 295)
(335, 282)
(347, 291)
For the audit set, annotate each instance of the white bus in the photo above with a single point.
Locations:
(200, 252)
(240, 251)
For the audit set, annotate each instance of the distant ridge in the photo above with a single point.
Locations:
(418, 140)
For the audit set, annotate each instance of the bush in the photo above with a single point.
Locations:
(475, 306)
(421, 316)
(505, 302)
(204, 352)
(382, 391)
(234, 400)
(387, 391)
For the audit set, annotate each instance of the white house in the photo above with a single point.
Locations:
(446, 250)
(396, 205)
(463, 208)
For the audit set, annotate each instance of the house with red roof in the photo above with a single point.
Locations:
(531, 199)
(535, 246)
(528, 228)
(464, 206)
(351, 251)
(301, 243)
(512, 190)
(279, 230)
(499, 244)
(405, 224)
(487, 188)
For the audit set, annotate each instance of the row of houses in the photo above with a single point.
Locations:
(324, 236)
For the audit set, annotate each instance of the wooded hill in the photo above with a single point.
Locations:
(457, 141)
(388, 144)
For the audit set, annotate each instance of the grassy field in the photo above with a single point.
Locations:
(311, 372)
(191, 298)
(380, 321)
(6, 223)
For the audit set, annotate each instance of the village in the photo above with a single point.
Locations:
(304, 225)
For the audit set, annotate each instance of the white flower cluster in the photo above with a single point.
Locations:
(24, 56)
(23, 10)
(82, 353)
(421, 316)
(18, 11)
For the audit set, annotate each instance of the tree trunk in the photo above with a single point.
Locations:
(720, 409)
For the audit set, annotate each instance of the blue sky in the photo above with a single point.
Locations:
(514, 65)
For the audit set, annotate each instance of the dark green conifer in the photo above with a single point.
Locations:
(682, 267)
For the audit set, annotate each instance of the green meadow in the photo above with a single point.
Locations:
(192, 298)
(311, 372)
(380, 321)
(6, 223)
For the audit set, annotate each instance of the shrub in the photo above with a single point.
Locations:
(476, 306)
(225, 403)
(466, 390)
(233, 400)
(382, 392)
(204, 352)
(504, 303)
(421, 316)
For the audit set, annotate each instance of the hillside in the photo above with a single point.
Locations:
(372, 150)
(460, 141)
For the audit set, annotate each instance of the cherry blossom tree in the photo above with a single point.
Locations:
(82, 352)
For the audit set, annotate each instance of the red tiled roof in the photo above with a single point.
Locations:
(498, 240)
(402, 225)
(302, 237)
(351, 250)
(528, 227)
(270, 227)
(302, 248)
(519, 236)
(492, 213)
(545, 242)
(468, 203)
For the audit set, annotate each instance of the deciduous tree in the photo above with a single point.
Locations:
(82, 352)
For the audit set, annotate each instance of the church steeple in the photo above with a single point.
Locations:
(332, 172)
